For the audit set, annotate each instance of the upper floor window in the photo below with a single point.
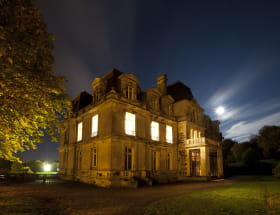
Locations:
(130, 123)
(169, 134)
(80, 131)
(155, 131)
(94, 125)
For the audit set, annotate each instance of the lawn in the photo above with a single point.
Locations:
(255, 197)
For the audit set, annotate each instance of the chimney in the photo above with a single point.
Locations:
(161, 83)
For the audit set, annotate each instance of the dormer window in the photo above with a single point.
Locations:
(96, 95)
(154, 103)
(129, 92)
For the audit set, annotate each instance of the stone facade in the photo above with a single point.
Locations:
(121, 136)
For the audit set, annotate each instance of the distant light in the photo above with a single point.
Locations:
(220, 110)
(47, 167)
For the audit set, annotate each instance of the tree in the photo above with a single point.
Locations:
(238, 150)
(227, 153)
(269, 141)
(32, 98)
(5, 166)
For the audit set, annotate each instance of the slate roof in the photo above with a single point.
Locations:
(179, 91)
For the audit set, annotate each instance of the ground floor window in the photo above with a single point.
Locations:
(154, 161)
(93, 157)
(169, 161)
(128, 159)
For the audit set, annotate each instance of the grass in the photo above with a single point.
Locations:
(11, 203)
(258, 197)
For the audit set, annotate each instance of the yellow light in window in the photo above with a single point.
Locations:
(130, 123)
(80, 131)
(155, 131)
(169, 135)
(94, 126)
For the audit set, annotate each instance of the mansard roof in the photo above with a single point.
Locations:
(179, 91)
(81, 101)
(112, 79)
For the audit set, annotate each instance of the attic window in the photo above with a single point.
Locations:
(129, 92)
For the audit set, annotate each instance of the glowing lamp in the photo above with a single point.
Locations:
(47, 167)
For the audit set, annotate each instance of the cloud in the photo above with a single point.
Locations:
(243, 130)
(249, 110)
(245, 76)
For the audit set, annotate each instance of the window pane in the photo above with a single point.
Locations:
(80, 131)
(155, 131)
(169, 136)
(94, 126)
(130, 123)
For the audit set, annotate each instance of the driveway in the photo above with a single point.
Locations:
(58, 197)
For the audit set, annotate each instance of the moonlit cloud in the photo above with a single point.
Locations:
(243, 130)
(246, 76)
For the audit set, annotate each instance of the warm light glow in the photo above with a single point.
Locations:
(155, 131)
(80, 131)
(47, 167)
(94, 126)
(169, 136)
(220, 110)
(130, 123)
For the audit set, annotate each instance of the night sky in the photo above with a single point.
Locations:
(227, 51)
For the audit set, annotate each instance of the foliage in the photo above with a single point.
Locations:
(251, 157)
(276, 171)
(35, 166)
(254, 197)
(227, 153)
(32, 98)
(238, 150)
(269, 141)
(19, 168)
(5, 166)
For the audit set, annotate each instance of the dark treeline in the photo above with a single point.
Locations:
(259, 155)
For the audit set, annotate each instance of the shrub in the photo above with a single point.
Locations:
(276, 171)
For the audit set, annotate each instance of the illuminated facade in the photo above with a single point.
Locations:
(121, 136)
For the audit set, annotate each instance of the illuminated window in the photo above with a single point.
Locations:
(155, 131)
(93, 157)
(79, 131)
(94, 125)
(169, 136)
(130, 123)
(128, 159)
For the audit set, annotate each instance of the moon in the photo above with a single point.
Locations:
(220, 110)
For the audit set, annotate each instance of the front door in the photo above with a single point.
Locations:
(195, 162)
